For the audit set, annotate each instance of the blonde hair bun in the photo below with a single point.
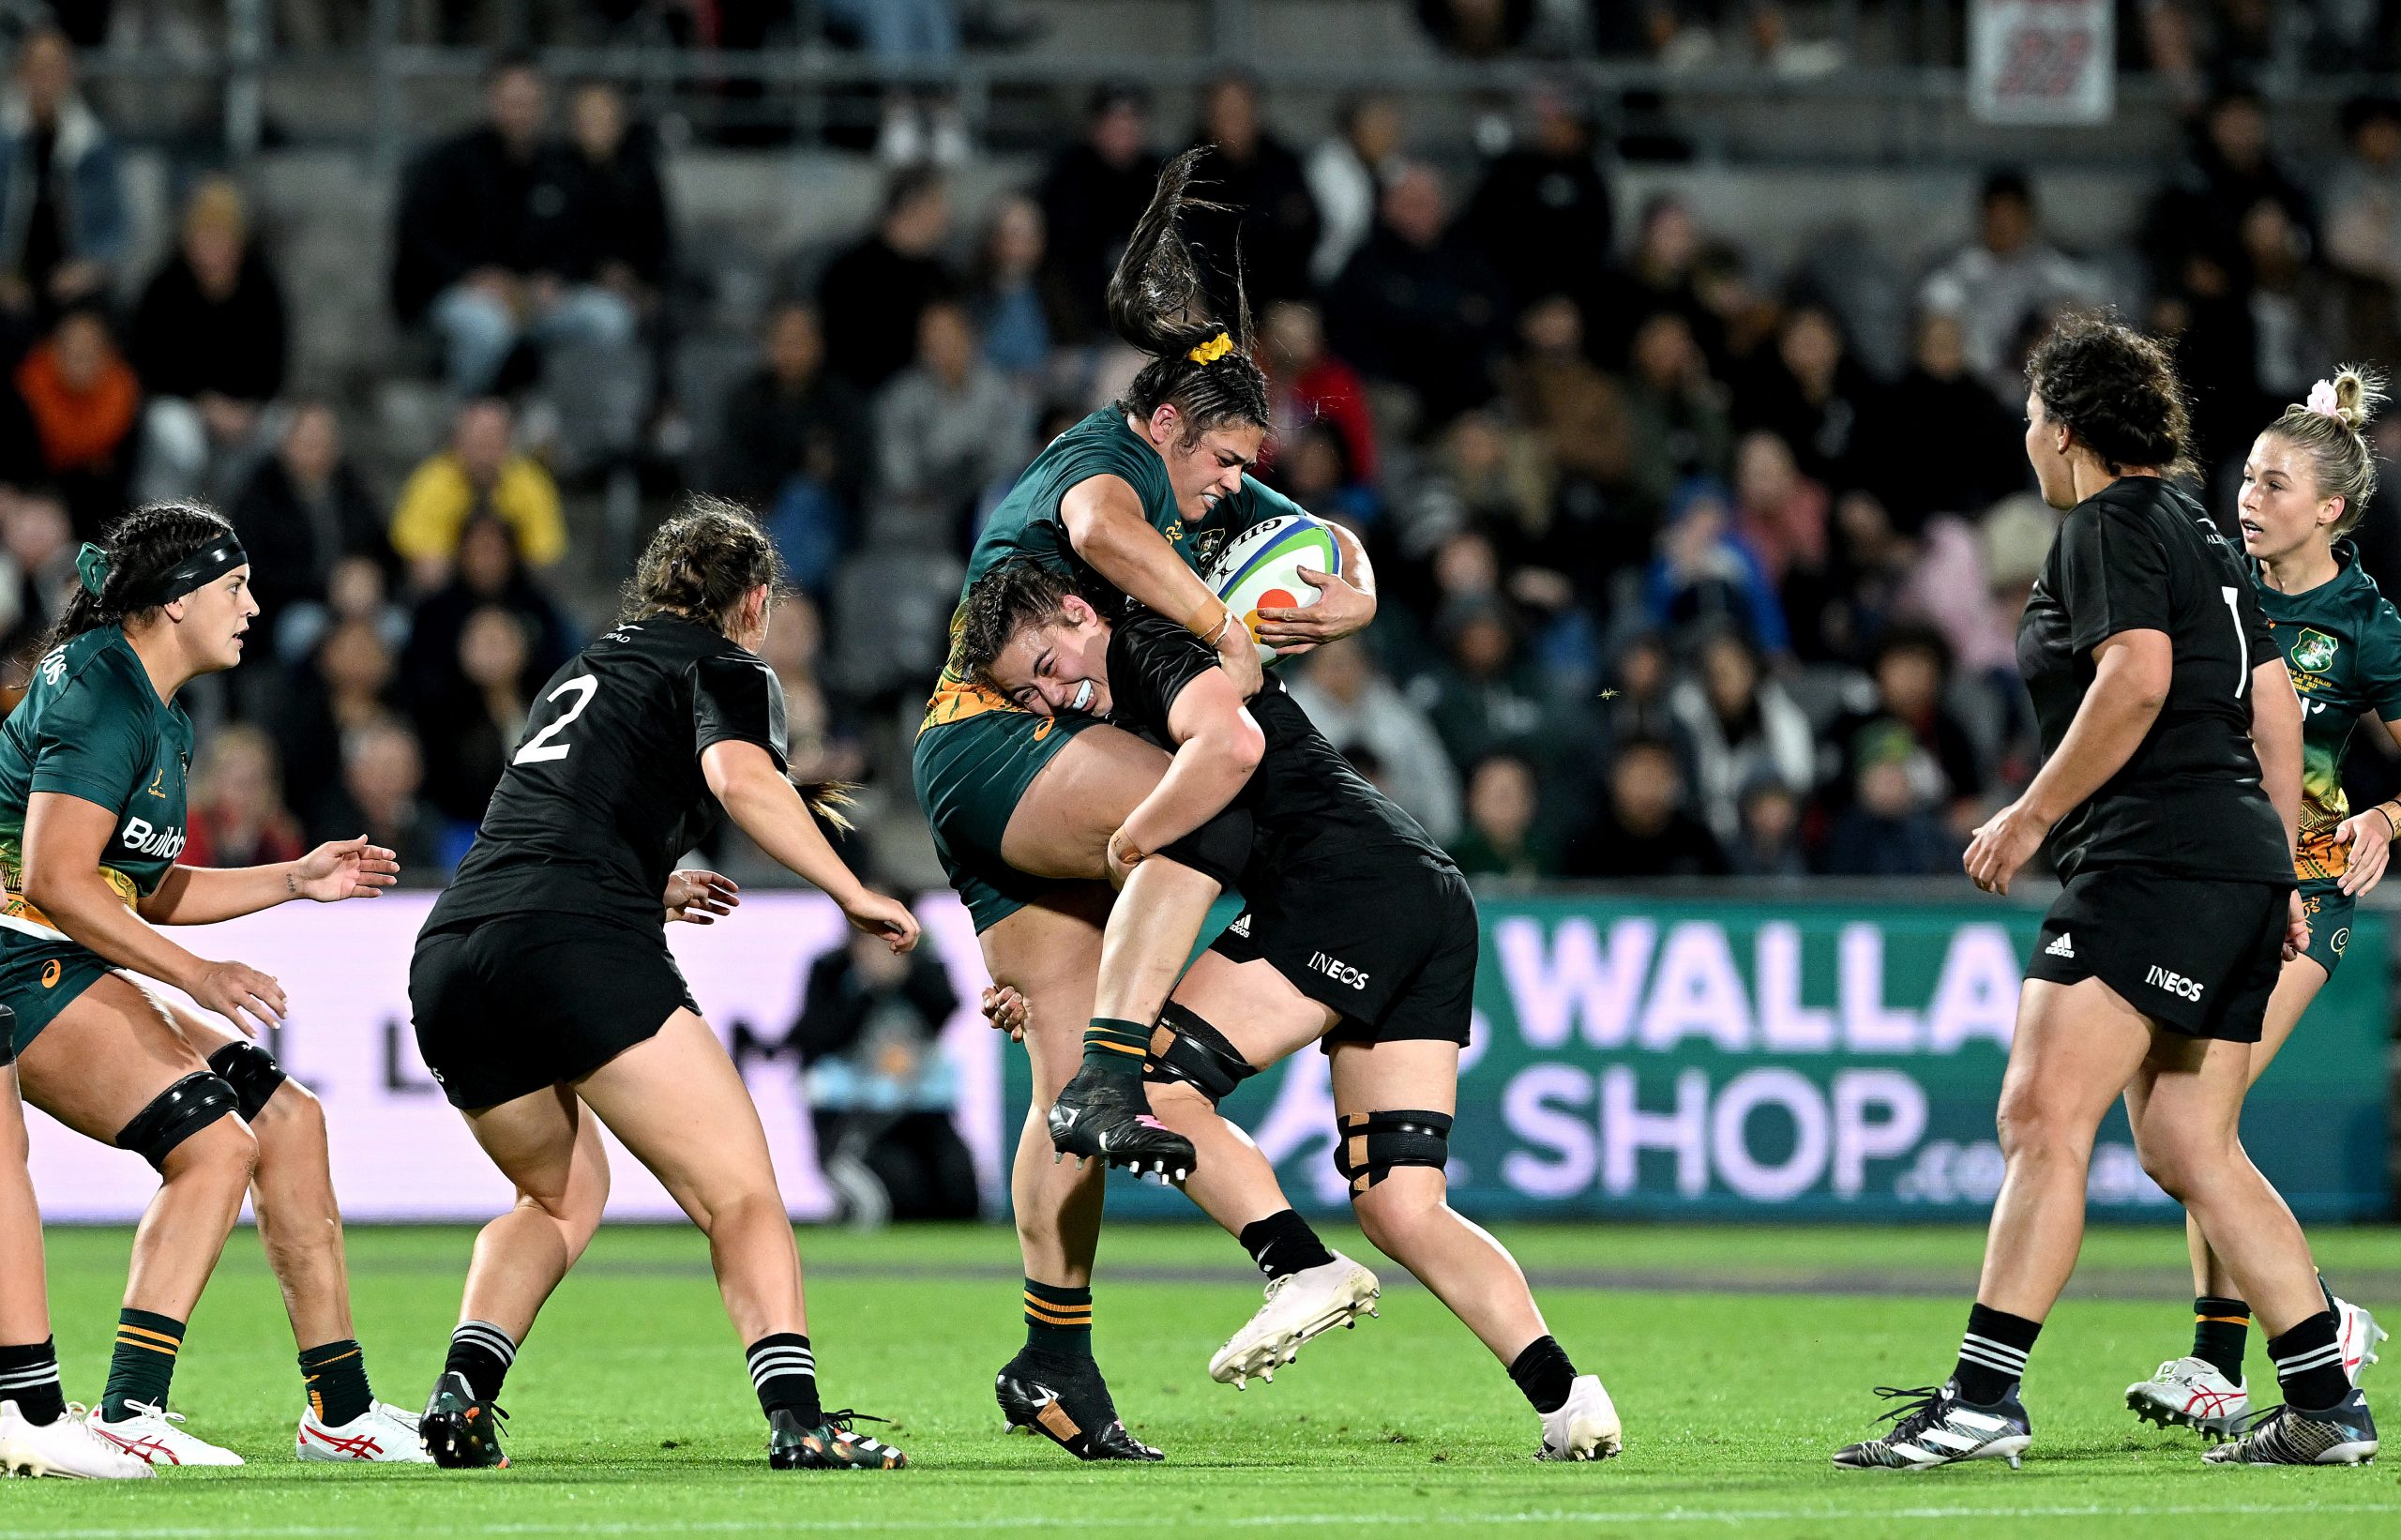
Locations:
(2359, 390)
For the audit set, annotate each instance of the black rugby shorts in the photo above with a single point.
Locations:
(2198, 956)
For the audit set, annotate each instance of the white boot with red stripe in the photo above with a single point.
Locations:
(383, 1433)
(151, 1434)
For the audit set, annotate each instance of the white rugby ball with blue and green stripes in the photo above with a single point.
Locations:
(1261, 569)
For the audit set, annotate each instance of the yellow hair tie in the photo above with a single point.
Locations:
(1212, 350)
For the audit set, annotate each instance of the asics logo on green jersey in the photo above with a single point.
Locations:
(141, 837)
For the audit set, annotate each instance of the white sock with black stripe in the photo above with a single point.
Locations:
(482, 1351)
(784, 1373)
(1992, 1354)
(2309, 1364)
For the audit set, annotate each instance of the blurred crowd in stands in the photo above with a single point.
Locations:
(1674, 582)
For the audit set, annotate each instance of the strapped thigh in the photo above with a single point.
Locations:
(1186, 1050)
(176, 1113)
(1368, 1145)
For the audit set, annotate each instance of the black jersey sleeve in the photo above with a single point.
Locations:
(1151, 658)
(2113, 578)
(739, 699)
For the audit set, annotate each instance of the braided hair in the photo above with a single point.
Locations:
(139, 550)
(1158, 303)
(698, 567)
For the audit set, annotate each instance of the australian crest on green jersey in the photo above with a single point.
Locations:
(2342, 642)
(91, 726)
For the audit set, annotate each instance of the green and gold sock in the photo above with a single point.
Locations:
(1058, 1320)
(1116, 1048)
(144, 1363)
(336, 1375)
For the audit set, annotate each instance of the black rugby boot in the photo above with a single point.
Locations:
(461, 1432)
(1108, 1116)
(827, 1444)
(1067, 1402)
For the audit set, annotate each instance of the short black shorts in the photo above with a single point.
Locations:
(1394, 951)
(508, 1006)
(2197, 956)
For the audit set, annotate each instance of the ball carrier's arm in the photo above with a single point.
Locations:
(1103, 518)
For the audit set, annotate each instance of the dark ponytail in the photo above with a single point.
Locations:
(698, 567)
(1159, 304)
(140, 549)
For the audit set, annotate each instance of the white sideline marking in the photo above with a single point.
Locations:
(1260, 1521)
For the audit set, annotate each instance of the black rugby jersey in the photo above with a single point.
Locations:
(2139, 555)
(604, 791)
(1307, 804)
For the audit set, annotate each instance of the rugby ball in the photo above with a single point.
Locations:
(1261, 569)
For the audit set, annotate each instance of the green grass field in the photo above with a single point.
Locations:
(1739, 1357)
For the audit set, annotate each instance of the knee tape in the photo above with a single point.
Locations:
(176, 1113)
(1186, 1048)
(1218, 849)
(1369, 1144)
(251, 1071)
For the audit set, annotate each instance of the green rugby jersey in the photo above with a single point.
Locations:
(1027, 523)
(2342, 640)
(91, 726)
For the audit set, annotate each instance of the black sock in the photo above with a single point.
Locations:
(1058, 1319)
(482, 1351)
(336, 1375)
(1992, 1356)
(29, 1376)
(1544, 1373)
(2221, 1331)
(142, 1366)
(1283, 1244)
(784, 1372)
(2309, 1364)
(1116, 1048)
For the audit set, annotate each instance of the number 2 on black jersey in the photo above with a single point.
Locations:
(539, 746)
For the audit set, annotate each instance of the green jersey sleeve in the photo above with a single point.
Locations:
(92, 743)
(2380, 661)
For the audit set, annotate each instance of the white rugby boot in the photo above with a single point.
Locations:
(2357, 1334)
(62, 1447)
(383, 1433)
(1298, 1307)
(1585, 1427)
(2190, 1393)
(152, 1434)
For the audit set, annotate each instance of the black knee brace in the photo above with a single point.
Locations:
(1369, 1144)
(1186, 1050)
(251, 1071)
(1218, 849)
(176, 1113)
